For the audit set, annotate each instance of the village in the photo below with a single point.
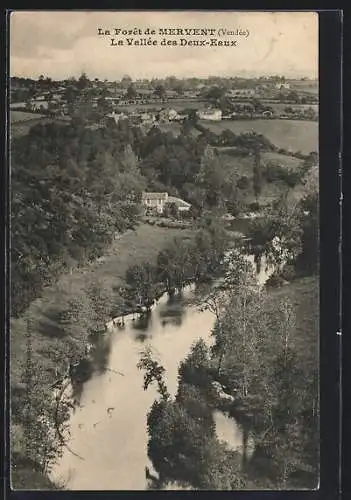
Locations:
(170, 100)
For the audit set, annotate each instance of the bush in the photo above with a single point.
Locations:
(274, 172)
(288, 272)
(243, 182)
(254, 206)
(275, 281)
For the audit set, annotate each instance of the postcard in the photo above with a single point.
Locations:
(164, 250)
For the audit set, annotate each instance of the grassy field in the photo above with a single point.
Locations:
(289, 162)
(21, 122)
(308, 86)
(133, 247)
(280, 106)
(23, 116)
(287, 134)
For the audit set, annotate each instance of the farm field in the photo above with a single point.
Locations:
(294, 135)
(308, 86)
(280, 106)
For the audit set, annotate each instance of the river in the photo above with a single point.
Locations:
(108, 431)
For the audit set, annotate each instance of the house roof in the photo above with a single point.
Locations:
(154, 196)
(178, 201)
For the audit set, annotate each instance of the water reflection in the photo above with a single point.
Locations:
(143, 321)
(141, 337)
(233, 434)
(174, 311)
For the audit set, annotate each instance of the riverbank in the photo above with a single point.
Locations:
(133, 247)
(303, 296)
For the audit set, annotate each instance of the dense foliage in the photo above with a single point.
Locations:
(271, 382)
(73, 189)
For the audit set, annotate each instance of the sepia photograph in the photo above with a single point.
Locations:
(164, 250)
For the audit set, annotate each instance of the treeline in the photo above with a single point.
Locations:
(267, 370)
(245, 142)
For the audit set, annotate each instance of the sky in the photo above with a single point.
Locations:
(61, 44)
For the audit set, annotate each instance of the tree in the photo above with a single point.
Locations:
(182, 445)
(154, 372)
(83, 82)
(141, 279)
(215, 93)
(276, 235)
(160, 91)
(174, 265)
(194, 369)
(126, 81)
(171, 210)
(209, 248)
(131, 92)
(39, 444)
(211, 177)
(243, 182)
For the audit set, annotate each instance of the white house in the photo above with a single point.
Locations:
(38, 104)
(156, 201)
(211, 114)
(117, 116)
(281, 86)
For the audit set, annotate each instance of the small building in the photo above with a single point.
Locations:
(38, 104)
(154, 201)
(211, 114)
(117, 116)
(147, 117)
(172, 115)
(281, 86)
